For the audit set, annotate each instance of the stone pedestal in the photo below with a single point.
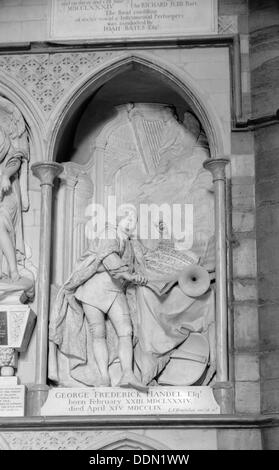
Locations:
(16, 325)
(16, 322)
(109, 401)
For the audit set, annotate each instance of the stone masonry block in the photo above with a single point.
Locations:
(232, 7)
(243, 166)
(242, 152)
(246, 367)
(243, 221)
(245, 289)
(270, 396)
(269, 325)
(246, 328)
(270, 364)
(268, 219)
(268, 285)
(244, 259)
(239, 439)
(247, 397)
(243, 197)
(268, 252)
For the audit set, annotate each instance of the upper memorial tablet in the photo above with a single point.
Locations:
(106, 20)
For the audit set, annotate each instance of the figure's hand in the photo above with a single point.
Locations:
(135, 278)
(5, 184)
(140, 279)
(127, 276)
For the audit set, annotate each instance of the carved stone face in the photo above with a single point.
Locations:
(128, 223)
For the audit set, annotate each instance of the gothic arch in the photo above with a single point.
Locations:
(127, 440)
(10, 89)
(178, 80)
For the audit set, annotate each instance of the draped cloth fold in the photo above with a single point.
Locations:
(163, 323)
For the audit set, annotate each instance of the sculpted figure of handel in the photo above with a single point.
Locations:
(96, 289)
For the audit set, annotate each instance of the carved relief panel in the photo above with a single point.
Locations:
(142, 156)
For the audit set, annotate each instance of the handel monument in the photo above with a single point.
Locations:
(128, 274)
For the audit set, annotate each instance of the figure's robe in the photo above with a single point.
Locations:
(11, 204)
(163, 323)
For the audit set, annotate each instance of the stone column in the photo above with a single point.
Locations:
(69, 179)
(222, 388)
(46, 172)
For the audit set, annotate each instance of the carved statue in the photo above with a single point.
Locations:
(96, 288)
(13, 187)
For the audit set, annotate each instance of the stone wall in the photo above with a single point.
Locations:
(244, 269)
(244, 308)
(23, 20)
(264, 40)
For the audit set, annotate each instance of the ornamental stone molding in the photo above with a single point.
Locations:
(78, 440)
(228, 24)
(48, 76)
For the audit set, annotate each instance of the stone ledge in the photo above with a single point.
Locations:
(79, 45)
(109, 422)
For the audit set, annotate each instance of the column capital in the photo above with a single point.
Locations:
(46, 171)
(216, 167)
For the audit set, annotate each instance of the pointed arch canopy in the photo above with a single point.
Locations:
(176, 79)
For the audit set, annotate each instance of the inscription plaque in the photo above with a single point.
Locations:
(130, 19)
(12, 400)
(119, 401)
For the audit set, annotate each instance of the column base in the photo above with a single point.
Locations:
(224, 395)
(36, 397)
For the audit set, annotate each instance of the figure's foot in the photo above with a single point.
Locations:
(129, 380)
(15, 276)
(105, 382)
